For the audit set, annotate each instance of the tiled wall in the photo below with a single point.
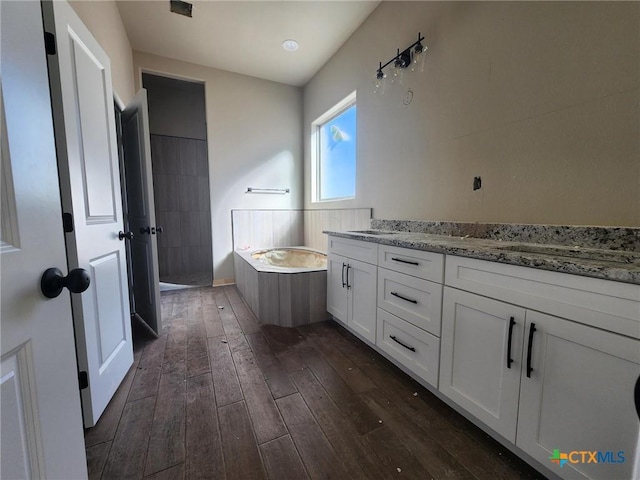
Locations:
(183, 209)
(280, 228)
(254, 229)
(315, 221)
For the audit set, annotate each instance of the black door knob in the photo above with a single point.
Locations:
(146, 230)
(159, 229)
(122, 235)
(52, 281)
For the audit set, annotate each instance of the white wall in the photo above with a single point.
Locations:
(540, 99)
(103, 21)
(254, 140)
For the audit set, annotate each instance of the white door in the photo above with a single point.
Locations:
(579, 397)
(141, 210)
(474, 372)
(361, 284)
(80, 79)
(337, 287)
(41, 418)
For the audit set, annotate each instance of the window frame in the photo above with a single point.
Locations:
(316, 144)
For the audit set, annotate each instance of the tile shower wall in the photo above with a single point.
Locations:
(183, 209)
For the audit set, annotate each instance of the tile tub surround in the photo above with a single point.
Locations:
(288, 297)
(617, 265)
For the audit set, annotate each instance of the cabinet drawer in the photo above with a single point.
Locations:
(356, 249)
(605, 304)
(416, 349)
(426, 265)
(412, 299)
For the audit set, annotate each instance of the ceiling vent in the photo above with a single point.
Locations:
(181, 8)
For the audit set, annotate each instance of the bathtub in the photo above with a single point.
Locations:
(283, 286)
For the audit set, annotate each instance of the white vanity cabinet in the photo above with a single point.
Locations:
(410, 308)
(578, 396)
(543, 382)
(351, 284)
(479, 337)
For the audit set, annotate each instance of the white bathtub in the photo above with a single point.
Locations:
(283, 286)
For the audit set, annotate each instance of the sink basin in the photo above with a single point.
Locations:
(373, 232)
(583, 253)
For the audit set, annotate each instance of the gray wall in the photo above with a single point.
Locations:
(176, 108)
(180, 177)
(181, 190)
(540, 99)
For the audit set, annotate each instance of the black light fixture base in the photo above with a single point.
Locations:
(404, 57)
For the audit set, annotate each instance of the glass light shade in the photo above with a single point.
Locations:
(379, 81)
(418, 60)
(397, 72)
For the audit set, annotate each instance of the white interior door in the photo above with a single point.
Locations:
(80, 79)
(141, 210)
(41, 418)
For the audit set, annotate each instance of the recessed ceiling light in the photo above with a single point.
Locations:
(290, 45)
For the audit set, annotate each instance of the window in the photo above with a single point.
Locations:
(334, 152)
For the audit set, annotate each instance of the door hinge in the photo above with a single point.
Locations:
(50, 43)
(83, 380)
(67, 222)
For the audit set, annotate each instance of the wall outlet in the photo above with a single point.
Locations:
(477, 183)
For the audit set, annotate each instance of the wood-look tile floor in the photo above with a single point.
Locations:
(219, 396)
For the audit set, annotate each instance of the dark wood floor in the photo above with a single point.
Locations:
(220, 396)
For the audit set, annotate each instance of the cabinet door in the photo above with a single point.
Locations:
(579, 397)
(362, 298)
(473, 366)
(336, 287)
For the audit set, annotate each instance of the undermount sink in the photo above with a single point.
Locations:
(373, 232)
(576, 252)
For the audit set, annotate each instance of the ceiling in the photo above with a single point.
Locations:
(246, 36)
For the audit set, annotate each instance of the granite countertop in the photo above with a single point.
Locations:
(616, 265)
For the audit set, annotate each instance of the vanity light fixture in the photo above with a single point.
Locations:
(414, 56)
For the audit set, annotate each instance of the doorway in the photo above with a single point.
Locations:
(178, 133)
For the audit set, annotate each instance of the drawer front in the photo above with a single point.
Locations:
(356, 249)
(426, 265)
(416, 349)
(612, 306)
(417, 301)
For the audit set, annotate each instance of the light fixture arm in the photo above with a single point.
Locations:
(404, 56)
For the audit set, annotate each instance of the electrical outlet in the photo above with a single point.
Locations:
(477, 183)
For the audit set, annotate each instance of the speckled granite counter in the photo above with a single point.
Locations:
(622, 263)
